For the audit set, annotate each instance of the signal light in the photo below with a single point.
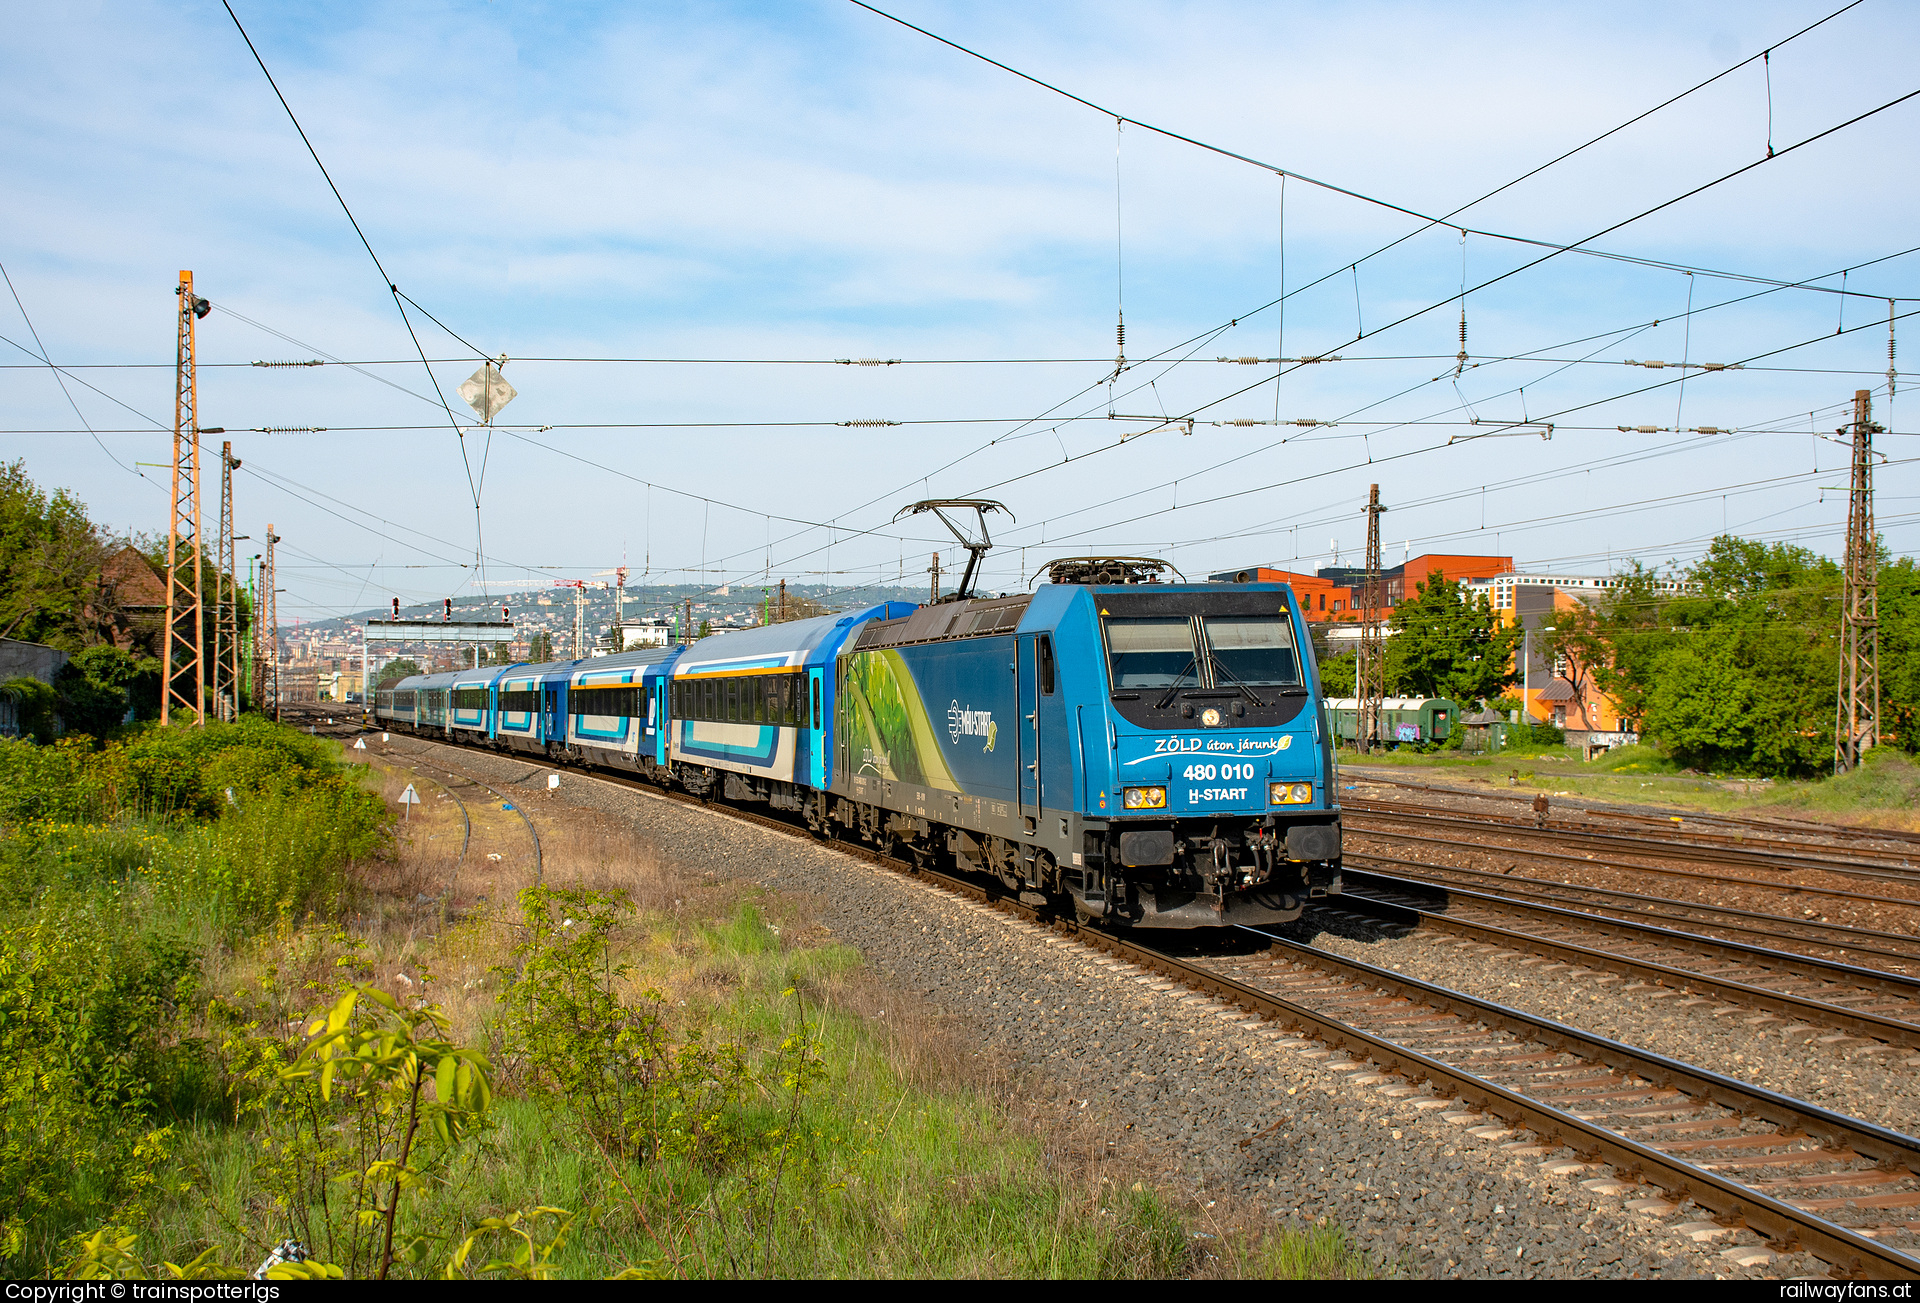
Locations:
(1143, 798)
(1289, 793)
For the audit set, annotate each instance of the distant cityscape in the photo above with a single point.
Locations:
(321, 659)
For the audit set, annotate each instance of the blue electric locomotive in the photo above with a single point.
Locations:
(1156, 755)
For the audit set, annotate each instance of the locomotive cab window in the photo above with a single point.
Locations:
(1150, 652)
(1043, 653)
(1256, 650)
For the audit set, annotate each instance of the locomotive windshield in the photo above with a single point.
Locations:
(1154, 652)
(1248, 651)
(1256, 650)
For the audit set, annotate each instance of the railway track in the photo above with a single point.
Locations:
(1384, 817)
(1900, 949)
(1896, 843)
(1802, 1176)
(532, 833)
(1810, 994)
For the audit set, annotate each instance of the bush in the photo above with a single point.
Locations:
(36, 703)
(94, 1056)
(189, 771)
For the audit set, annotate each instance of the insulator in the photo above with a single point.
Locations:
(1308, 420)
(1120, 336)
(1709, 429)
(1638, 429)
(315, 362)
(868, 361)
(1245, 420)
(867, 425)
(289, 429)
(1247, 361)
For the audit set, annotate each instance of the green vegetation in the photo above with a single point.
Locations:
(394, 671)
(1447, 644)
(1738, 675)
(49, 562)
(55, 589)
(210, 1041)
(121, 869)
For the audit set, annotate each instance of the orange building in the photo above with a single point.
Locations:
(1335, 592)
(1551, 690)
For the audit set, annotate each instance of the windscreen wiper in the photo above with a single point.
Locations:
(1220, 667)
(1193, 662)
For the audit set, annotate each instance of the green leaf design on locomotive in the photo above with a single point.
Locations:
(885, 723)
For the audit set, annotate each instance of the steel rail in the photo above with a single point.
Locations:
(1795, 827)
(1548, 891)
(539, 867)
(1623, 843)
(1791, 886)
(466, 837)
(1860, 1023)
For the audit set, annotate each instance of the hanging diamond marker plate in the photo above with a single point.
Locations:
(486, 391)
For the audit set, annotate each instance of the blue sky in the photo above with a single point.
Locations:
(810, 181)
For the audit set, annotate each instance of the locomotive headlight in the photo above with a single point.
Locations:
(1289, 793)
(1144, 798)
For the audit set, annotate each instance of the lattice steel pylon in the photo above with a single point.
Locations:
(1857, 721)
(226, 601)
(267, 635)
(183, 662)
(1371, 680)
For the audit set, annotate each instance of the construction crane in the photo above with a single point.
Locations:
(619, 574)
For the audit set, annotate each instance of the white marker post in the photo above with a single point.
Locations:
(553, 781)
(408, 799)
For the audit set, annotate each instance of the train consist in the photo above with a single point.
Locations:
(1149, 754)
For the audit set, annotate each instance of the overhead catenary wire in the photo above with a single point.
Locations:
(400, 301)
(1429, 221)
(61, 380)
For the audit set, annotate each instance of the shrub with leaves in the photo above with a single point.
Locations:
(636, 1093)
(371, 1116)
(94, 1061)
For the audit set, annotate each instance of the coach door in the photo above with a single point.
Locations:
(816, 731)
(553, 725)
(1027, 728)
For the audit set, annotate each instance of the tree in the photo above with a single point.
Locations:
(394, 671)
(1447, 643)
(1744, 675)
(50, 558)
(540, 648)
(706, 628)
(101, 684)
